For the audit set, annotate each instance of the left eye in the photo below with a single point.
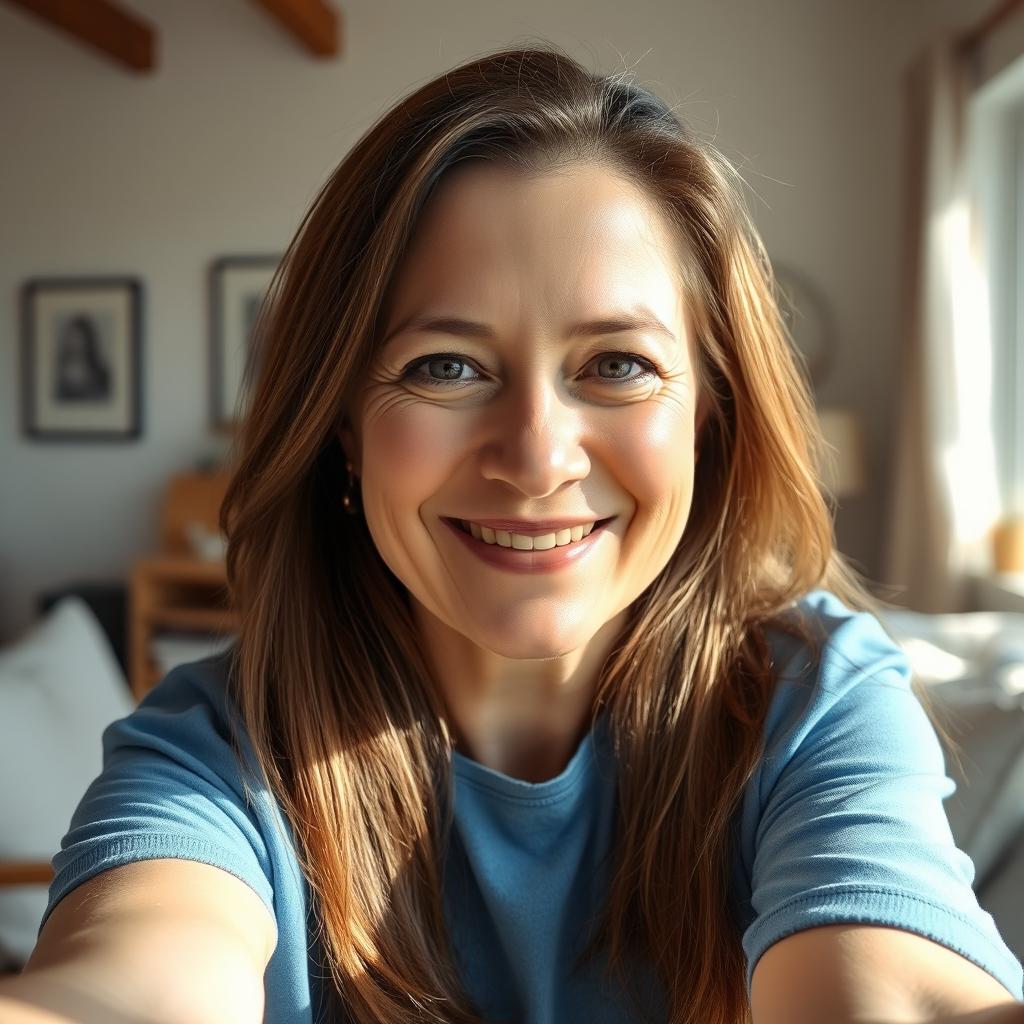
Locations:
(451, 367)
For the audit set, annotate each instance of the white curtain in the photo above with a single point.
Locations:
(944, 494)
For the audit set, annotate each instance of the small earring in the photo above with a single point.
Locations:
(348, 502)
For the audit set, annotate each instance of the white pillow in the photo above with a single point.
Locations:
(60, 686)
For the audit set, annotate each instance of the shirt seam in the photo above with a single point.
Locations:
(825, 896)
(157, 844)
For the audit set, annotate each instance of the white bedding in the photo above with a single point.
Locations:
(972, 664)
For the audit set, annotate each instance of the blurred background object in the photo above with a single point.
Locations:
(1008, 545)
(846, 474)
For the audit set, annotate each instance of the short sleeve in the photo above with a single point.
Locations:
(169, 787)
(851, 825)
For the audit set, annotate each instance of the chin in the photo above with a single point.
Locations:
(536, 645)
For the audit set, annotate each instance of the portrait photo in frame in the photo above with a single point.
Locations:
(81, 358)
(238, 285)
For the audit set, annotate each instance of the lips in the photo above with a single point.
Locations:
(522, 561)
(530, 527)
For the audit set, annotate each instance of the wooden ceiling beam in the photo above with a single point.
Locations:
(101, 24)
(313, 22)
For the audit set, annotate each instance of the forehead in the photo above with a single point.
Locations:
(559, 245)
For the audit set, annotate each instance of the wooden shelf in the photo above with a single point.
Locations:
(152, 676)
(212, 620)
(174, 592)
(185, 567)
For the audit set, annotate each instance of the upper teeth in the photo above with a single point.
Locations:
(506, 539)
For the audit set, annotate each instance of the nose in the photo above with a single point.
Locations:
(537, 441)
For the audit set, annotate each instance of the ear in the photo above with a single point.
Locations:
(349, 444)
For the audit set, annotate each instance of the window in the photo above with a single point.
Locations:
(996, 174)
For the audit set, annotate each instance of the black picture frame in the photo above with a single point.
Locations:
(237, 287)
(81, 358)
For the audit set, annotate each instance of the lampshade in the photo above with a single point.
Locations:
(844, 471)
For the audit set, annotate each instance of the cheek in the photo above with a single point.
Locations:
(408, 452)
(415, 447)
(656, 452)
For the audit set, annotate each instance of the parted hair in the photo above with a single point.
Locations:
(327, 672)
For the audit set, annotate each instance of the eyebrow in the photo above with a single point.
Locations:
(642, 319)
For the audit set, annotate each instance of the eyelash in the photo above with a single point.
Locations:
(650, 369)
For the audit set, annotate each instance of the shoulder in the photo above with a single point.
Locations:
(843, 697)
(172, 787)
(849, 663)
(843, 819)
(187, 720)
(851, 642)
(193, 684)
(191, 699)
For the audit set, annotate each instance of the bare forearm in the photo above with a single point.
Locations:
(98, 990)
(1004, 1013)
(59, 995)
(19, 1006)
(51, 997)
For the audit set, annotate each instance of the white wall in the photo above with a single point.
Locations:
(220, 151)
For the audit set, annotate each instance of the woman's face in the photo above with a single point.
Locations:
(524, 418)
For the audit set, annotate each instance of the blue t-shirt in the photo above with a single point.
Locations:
(842, 821)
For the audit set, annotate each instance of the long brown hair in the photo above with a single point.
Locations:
(327, 673)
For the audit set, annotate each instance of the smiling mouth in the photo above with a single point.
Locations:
(527, 542)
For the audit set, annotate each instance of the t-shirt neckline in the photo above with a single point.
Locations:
(521, 790)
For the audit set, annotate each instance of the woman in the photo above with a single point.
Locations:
(554, 700)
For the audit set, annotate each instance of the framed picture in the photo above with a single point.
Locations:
(81, 358)
(238, 285)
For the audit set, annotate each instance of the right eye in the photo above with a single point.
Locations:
(443, 370)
